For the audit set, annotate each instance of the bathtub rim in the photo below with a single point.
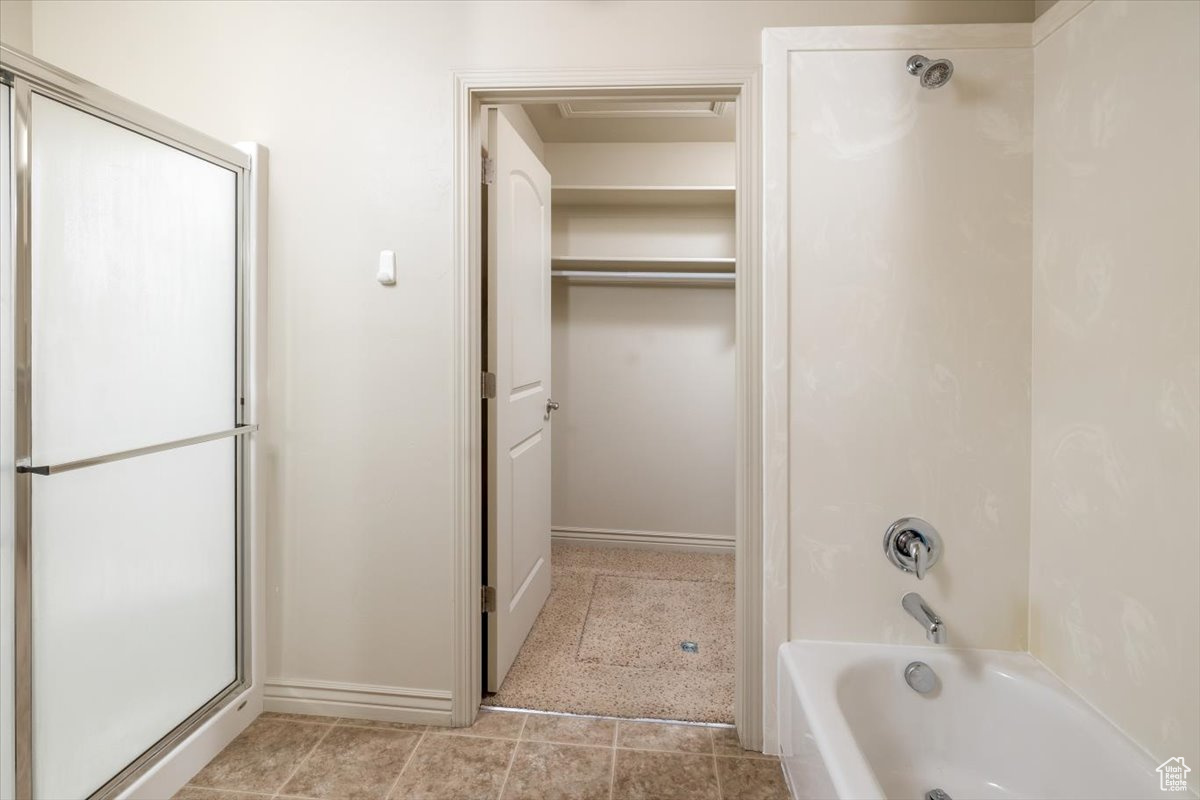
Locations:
(849, 770)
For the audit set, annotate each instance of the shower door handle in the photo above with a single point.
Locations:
(54, 469)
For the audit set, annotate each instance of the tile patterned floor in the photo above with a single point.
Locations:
(608, 638)
(503, 756)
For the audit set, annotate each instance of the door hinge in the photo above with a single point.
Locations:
(488, 173)
(487, 599)
(487, 385)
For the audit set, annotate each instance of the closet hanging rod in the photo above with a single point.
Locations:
(597, 276)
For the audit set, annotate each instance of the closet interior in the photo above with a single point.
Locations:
(640, 619)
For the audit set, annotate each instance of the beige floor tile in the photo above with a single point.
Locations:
(455, 768)
(493, 724)
(316, 719)
(262, 757)
(542, 771)
(664, 736)
(569, 730)
(374, 723)
(643, 775)
(725, 742)
(751, 779)
(353, 764)
(196, 793)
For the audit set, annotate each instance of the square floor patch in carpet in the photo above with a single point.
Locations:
(641, 622)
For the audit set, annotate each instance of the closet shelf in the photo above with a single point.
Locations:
(650, 278)
(575, 195)
(652, 264)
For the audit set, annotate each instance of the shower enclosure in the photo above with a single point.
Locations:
(123, 422)
(983, 296)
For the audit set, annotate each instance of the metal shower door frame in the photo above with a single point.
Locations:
(27, 76)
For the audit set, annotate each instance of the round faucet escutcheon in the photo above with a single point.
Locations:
(913, 545)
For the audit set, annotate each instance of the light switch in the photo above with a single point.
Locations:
(387, 268)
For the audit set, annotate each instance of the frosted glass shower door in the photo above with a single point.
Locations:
(133, 347)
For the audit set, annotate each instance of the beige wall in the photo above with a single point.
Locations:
(644, 439)
(354, 100)
(910, 270)
(643, 445)
(642, 163)
(1115, 608)
(1042, 6)
(521, 123)
(644, 232)
(16, 24)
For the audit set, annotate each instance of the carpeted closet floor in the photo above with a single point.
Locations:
(609, 640)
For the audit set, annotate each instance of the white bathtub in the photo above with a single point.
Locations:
(998, 726)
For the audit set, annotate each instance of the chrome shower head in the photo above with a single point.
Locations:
(933, 74)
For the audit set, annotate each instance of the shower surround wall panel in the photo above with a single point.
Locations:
(909, 345)
(1115, 603)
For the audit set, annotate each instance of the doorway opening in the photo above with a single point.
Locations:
(608, 321)
(610, 274)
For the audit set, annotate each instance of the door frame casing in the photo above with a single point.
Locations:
(474, 89)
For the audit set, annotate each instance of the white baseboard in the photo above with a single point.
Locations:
(656, 540)
(384, 703)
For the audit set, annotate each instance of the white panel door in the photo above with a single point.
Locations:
(518, 419)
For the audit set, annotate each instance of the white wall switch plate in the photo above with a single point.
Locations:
(387, 268)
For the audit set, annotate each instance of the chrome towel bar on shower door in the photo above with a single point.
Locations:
(54, 469)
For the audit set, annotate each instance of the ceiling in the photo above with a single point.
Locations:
(633, 121)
